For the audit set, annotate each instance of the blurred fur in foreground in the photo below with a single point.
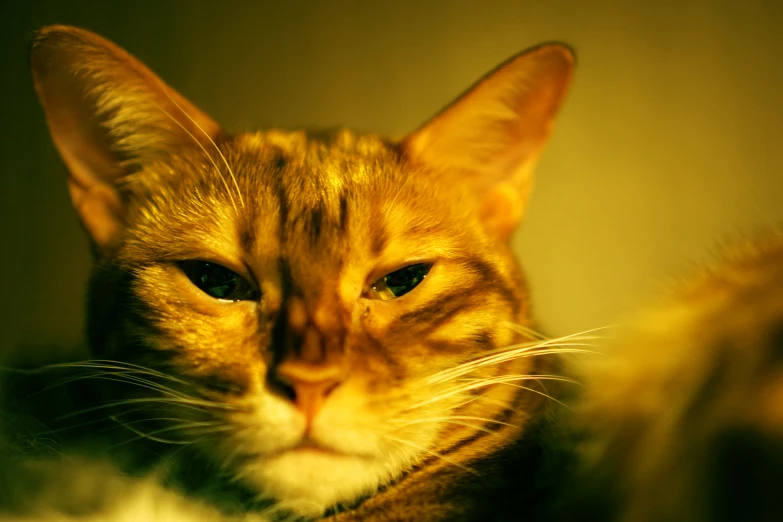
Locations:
(687, 410)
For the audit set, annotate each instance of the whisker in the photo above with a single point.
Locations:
(531, 346)
(153, 434)
(130, 376)
(209, 138)
(91, 422)
(135, 368)
(467, 425)
(521, 377)
(101, 364)
(430, 452)
(399, 191)
(493, 357)
(481, 383)
(192, 404)
(453, 417)
(525, 330)
(511, 353)
(116, 377)
(187, 423)
(461, 404)
(237, 450)
(203, 149)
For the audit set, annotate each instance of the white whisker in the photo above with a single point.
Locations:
(450, 418)
(208, 137)
(198, 405)
(430, 452)
(203, 427)
(481, 383)
(525, 330)
(204, 150)
(509, 353)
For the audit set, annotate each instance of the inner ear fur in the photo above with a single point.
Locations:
(492, 135)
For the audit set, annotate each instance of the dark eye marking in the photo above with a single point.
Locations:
(218, 281)
(343, 212)
(316, 221)
(400, 282)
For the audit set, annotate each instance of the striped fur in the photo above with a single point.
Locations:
(431, 384)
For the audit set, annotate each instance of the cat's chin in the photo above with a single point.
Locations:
(309, 480)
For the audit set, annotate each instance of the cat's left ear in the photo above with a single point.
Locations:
(492, 135)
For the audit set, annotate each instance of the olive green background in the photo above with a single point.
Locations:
(669, 141)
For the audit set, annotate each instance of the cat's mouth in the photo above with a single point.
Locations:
(304, 448)
(313, 447)
(311, 475)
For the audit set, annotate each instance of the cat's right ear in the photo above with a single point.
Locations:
(108, 115)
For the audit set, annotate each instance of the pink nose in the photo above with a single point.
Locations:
(308, 385)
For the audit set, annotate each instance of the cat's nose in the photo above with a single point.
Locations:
(307, 385)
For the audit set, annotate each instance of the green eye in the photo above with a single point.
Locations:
(218, 281)
(400, 282)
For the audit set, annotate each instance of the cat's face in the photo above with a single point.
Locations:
(328, 365)
(319, 298)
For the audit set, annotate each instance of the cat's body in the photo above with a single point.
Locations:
(294, 324)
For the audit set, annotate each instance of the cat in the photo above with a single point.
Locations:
(684, 413)
(294, 324)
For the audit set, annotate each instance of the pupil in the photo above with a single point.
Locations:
(216, 280)
(222, 290)
(404, 280)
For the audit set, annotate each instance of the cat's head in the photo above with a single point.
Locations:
(327, 307)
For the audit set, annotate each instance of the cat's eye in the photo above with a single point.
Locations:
(400, 282)
(218, 281)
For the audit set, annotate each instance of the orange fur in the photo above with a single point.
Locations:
(313, 388)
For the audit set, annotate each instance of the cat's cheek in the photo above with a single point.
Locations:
(376, 316)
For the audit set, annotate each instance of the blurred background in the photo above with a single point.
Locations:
(668, 143)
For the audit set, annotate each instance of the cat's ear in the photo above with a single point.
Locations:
(492, 135)
(108, 115)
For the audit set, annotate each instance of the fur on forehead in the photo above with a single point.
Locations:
(265, 180)
(308, 167)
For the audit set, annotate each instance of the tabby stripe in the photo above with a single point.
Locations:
(247, 237)
(282, 199)
(143, 353)
(316, 222)
(434, 313)
(379, 235)
(343, 212)
(482, 340)
(407, 479)
(490, 275)
(391, 363)
(279, 161)
(505, 416)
